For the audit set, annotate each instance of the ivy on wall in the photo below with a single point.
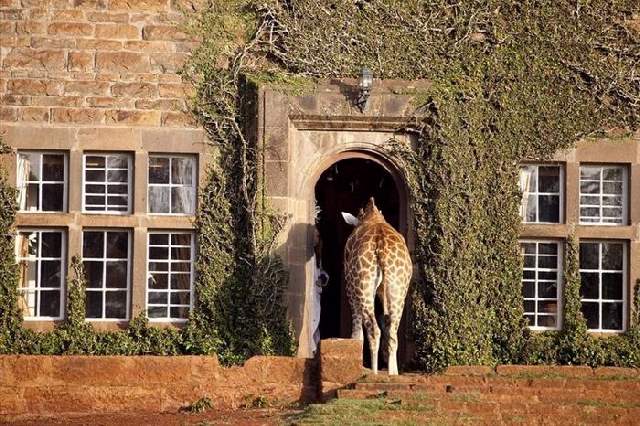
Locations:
(510, 81)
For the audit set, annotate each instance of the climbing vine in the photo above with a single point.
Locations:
(509, 81)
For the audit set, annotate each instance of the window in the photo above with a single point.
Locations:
(172, 184)
(41, 181)
(541, 280)
(602, 284)
(106, 257)
(541, 188)
(40, 258)
(170, 274)
(603, 195)
(107, 186)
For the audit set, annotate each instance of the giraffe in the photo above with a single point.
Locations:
(376, 262)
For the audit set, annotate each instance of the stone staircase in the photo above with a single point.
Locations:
(511, 394)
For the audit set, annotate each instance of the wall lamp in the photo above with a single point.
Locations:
(364, 88)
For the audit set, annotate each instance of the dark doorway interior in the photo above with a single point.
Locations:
(345, 187)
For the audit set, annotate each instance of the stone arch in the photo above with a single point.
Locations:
(312, 173)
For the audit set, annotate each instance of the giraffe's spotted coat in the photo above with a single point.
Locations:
(376, 261)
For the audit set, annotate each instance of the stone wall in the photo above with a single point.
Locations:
(50, 385)
(46, 385)
(93, 62)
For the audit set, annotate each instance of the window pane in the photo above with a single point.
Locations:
(549, 206)
(158, 170)
(28, 302)
(181, 239)
(589, 187)
(612, 173)
(530, 208)
(32, 161)
(590, 173)
(614, 200)
(159, 253)
(180, 298)
(95, 189)
(547, 321)
(93, 272)
(93, 244)
(28, 274)
(529, 261)
(182, 171)
(32, 203)
(117, 162)
(528, 248)
(528, 182)
(116, 304)
(528, 289)
(50, 271)
(156, 298)
(181, 266)
(50, 303)
(589, 285)
(548, 248)
(117, 274)
(612, 187)
(180, 281)
(158, 266)
(95, 161)
(529, 306)
(590, 200)
(94, 304)
(548, 179)
(118, 189)
(181, 313)
(612, 316)
(547, 262)
(51, 244)
(547, 307)
(159, 199)
(157, 312)
(591, 314)
(158, 281)
(94, 175)
(612, 255)
(548, 275)
(117, 245)
(612, 285)
(52, 197)
(159, 239)
(548, 290)
(117, 176)
(182, 200)
(181, 253)
(53, 167)
(589, 253)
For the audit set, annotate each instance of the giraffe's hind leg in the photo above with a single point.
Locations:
(373, 332)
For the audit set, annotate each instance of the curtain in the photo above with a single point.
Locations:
(24, 167)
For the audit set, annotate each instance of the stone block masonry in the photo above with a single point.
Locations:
(94, 62)
(59, 385)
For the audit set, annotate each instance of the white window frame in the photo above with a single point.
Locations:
(559, 283)
(193, 186)
(104, 261)
(130, 172)
(63, 271)
(168, 305)
(65, 182)
(560, 193)
(625, 283)
(625, 195)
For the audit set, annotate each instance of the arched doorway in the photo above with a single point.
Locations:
(345, 186)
